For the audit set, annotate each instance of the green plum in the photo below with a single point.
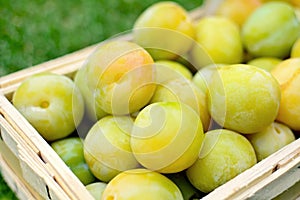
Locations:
(271, 35)
(203, 76)
(237, 10)
(80, 80)
(141, 184)
(165, 30)
(52, 103)
(178, 67)
(295, 52)
(243, 98)
(217, 41)
(224, 155)
(271, 139)
(70, 150)
(167, 136)
(120, 75)
(107, 148)
(188, 191)
(266, 63)
(184, 91)
(96, 189)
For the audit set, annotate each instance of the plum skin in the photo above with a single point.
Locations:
(224, 155)
(167, 137)
(267, 34)
(70, 150)
(271, 139)
(107, 148)
(243, 98)
(52, 103)
(141, 184)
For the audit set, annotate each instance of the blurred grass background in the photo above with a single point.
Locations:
(34, 31)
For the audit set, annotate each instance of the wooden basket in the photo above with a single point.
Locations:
(34, 171)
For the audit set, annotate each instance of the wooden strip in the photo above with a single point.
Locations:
(12, 174)
(39, 178)
(31, 166)
(280, 181)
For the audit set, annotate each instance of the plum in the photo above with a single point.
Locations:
(224, 155)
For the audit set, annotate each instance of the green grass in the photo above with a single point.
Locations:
(32, 32)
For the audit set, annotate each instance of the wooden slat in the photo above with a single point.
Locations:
(30, 164)
(12, 174)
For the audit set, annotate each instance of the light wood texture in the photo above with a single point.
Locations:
(12, 174)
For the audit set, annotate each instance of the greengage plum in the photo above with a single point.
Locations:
(203, 76)
(243, 98)
(271, 139)
(295, 52)
(266, 63)
(96, 189)
(184, 91)
(52, 103)
(287, 74)
(292, 2)
(219, 38)
(237, 10)
(178, 67)
(224, 155)
(120, 75)
(167, 137)
(80, 80)
(141, 184)
(107, 148)
(268, 34)
(70, 150)
(165, 30)
(188, 191)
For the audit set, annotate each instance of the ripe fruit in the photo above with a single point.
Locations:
(107, 147)
(203, 76)
(266, 63)
(188, 191)
(51, 103)
(184, 91)
(243, 98)
(287, 74)
(271, 139)
(167, 137)
(70, 150)
(218, 41)
(96, 189)
(237, 10)
(160, 20)
(120, 75)
(179, 69)
(141, 184)
(295, 52)
(268, 34)
(224, 155)
(80, 81)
